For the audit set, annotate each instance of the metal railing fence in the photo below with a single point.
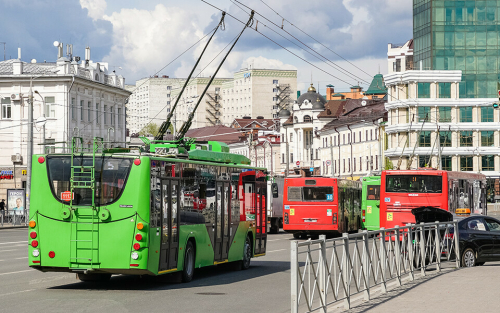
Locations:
(327, 271)
(7, 220)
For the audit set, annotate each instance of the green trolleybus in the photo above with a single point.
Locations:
(370, 202)
(118, 212)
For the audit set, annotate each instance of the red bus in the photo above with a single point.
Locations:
(404, 190)
(321, 205)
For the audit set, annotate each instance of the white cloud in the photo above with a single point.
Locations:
(96, 8)
(265, 63)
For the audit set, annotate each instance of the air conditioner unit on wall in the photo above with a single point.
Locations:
(16, 96)
(17, 158)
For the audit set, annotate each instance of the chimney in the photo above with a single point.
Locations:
(87, 55)
(19, 53)
(330, 91)
(60, 50)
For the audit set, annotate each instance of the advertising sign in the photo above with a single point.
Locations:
(16, 199)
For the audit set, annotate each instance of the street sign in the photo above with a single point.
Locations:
(297, 163)
(67, 196)
(328, 162)
(311, 169)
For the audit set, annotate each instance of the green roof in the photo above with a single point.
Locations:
(377, 86)
(355, 87)
(338, 95)
(329, 85)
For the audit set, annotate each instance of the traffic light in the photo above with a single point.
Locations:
(495, 105)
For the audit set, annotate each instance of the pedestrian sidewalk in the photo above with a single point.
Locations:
(473, 289)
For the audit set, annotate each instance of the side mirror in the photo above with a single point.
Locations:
(274, 190)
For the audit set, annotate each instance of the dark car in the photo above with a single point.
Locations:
(479, 240)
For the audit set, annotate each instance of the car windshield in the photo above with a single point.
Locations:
(110, 178)
(414, 183)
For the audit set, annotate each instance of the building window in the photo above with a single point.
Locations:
(291, 157)
(361, 164)
(360, 136)
(424, 114)
(119, 116)
(348, 138)
(366, 135)
(487, 114)
(487, 138)
(307, 119)
(445, 139)
(6, 108)
(423, 90)
(354, 164)
(111, 116)
(89, 114)
(50, 106)
(104, 116)
(282, 158)
(446, 163)
(444, 90)
(376, 162)
(81, 110)
(275, 81)
(445, 114)
(291, 137)
(317, 154)
(97, 113)
(466, 115)
(466, 163)
(73, 109)
(424, 139)
(335, 140)
(488, 163)
(343, 139)
(423, 160)
(371, 134)
(466, 139)
(354, 137)
(343, 162)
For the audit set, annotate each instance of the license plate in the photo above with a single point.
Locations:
(310, 220)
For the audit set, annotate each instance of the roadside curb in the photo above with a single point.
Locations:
(12, 227)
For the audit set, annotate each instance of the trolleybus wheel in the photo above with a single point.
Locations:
(188, 271)
(468, 258)
(93, 277)
(247, 254)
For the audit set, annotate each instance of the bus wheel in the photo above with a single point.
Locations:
(247, 254)
(93, 277)
(468, 258)
(188, 271)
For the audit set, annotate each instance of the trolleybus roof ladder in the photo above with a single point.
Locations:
(84, 226)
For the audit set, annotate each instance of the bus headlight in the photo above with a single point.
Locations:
(35, 253)
(135, 255)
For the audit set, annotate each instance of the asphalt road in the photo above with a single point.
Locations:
(265, 287)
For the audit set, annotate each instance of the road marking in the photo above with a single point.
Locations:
(277, 250)
(10, 250)
(12, 293)
(24, 257)
(16, 272)
(6, 243)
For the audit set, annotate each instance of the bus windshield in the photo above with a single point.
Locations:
(110, 177)
(310, 193)
(414, 183)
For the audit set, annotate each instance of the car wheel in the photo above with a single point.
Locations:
(247, 254)
(468, 258)
(188, 271)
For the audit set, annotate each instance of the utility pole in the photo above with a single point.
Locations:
(30, 147)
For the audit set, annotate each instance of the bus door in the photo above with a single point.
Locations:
(260, 217)
(170, 224)
(222, 221)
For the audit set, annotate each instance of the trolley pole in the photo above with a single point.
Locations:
(30, 147)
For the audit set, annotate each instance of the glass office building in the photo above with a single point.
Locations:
(460, 35)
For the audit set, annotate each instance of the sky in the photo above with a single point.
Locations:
(338, 42)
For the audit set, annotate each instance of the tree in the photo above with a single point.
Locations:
(388, 164)
(150, 129)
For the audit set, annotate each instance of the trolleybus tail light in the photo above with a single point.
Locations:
(35, 253)
(34, 243)
(137, 161)
(32, 224)
(33, 234)
(41, 159)
(52, 254)
(137, 246)
(138, 237)
(135, 255)
(334, 218)
(140, 226)
(364, 218)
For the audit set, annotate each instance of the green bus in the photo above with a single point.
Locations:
(370, 202)
(120, 212)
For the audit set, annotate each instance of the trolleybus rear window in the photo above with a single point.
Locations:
(110, 178)
(414, 183)
(373, 192)
(310, 193)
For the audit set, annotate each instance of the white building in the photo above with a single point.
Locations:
(151, 101)
(423, 104)
(352, 145)
(77, 99)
